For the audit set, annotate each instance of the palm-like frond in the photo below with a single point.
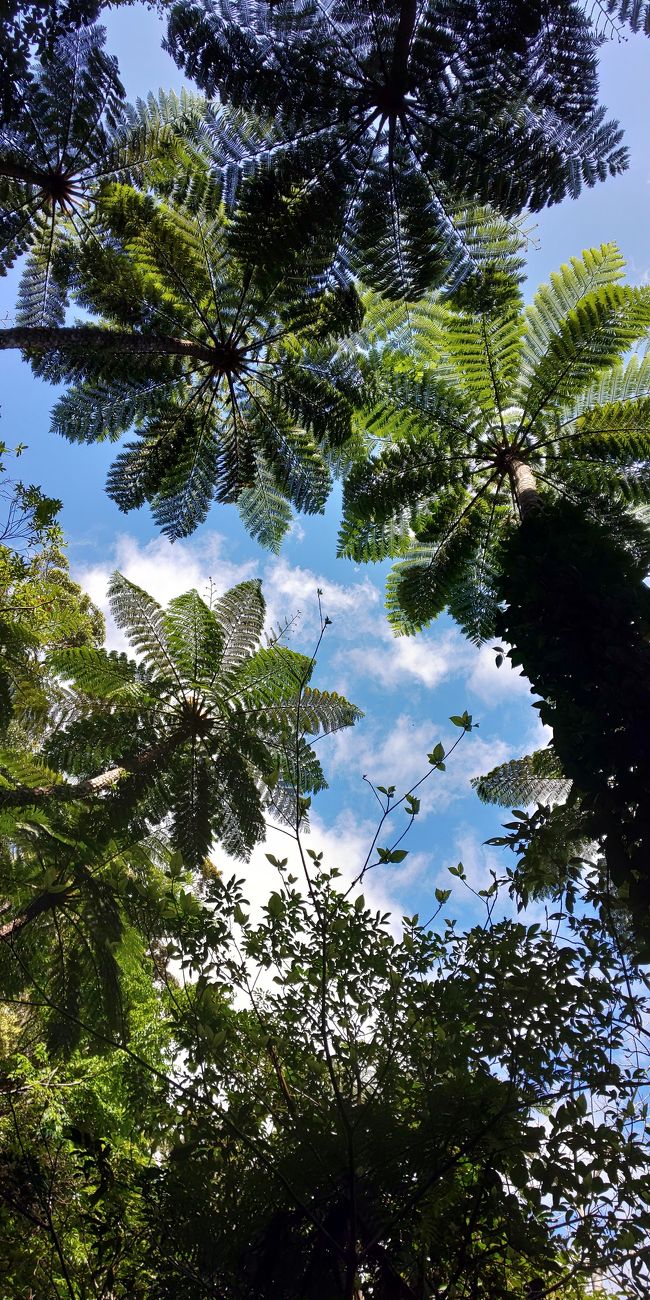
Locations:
(579, 324)
(635, 13)
(202, 727)
(536, 778)
(464, 393)
(69, 135)
(392, 124)
(143, 621)
(101, 674)
(240, 615)
(232, 382)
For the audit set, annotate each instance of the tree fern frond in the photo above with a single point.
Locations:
(102, 674)
(409, 473)
(17, 768)
(580, 323)
(370, 540)
(193, 810)
(421, 585)
(621, 382)
(264, 510)
(98, 412)
(271, 674)
(536, 778)
(237, 815)
(185, 492)
(194, 637)
(322, 712)
(473, 602)
(240, 615)
(636, 13)
(43, 288)
(142, 619)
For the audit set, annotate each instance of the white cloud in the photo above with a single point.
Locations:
(398, 756)
(288, 589)
(391, 661)
(164, 570)
(492, 684)
(363, 643)
(345, 845)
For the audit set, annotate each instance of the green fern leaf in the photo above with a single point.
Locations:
(536, 778)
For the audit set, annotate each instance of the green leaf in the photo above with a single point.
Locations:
(275, 906)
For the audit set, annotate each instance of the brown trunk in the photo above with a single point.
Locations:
(403, 38)
(87, 338)
(38, 905)
(524, 487)
(27, 797)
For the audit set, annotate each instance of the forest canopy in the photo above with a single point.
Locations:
(249, 1048)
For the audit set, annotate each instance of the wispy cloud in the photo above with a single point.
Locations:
(397, 755)
(164, 570)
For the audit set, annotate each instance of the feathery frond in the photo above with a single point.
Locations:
(392, 125)
(231, 380)
(69, 135)
(469, 394)
(203, 727)
(536, 778)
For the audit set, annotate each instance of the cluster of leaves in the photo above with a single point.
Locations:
(40, 606)
(358, 1111)
(589, 634)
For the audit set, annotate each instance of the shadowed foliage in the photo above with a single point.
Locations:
(390, 124)
(482, 405)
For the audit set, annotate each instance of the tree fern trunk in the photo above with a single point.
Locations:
(32, 796)
(405, 29)
(44, 903)
(15, 171)
(524, 487)
(89, 338)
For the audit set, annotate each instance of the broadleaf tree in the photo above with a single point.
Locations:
(361, 1108)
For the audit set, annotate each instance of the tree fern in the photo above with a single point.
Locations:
(472, 395)
(231, 380)
(392, 124)
(68, 135)
(200, 726)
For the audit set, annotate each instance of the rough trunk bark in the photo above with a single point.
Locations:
(403, 38)
(87, 338)
(524, 487)
(44, 903)
(27, 796)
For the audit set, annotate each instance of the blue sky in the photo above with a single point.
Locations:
(407, 687)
